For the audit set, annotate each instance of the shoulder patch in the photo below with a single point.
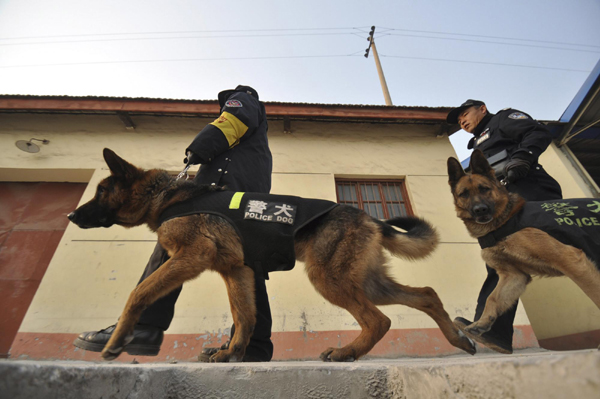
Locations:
(233, 103)
(518, 115)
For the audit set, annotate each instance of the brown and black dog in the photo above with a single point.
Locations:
(342, 251)
(487, 208)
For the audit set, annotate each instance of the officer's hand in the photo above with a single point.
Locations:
(516, 169)
(192, 159)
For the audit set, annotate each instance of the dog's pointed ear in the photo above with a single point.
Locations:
(118, 166)
(455, 171)
(479, 165)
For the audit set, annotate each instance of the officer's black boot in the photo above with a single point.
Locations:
(146, 340)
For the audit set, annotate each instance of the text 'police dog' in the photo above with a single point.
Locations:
(342, 251)
(520, 239)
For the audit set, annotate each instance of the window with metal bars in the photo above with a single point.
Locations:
(382, 199)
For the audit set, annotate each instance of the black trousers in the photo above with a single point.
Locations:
(537, 186)
(160, 313)
(503, 326)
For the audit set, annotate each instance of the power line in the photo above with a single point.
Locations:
(493, 37)
(179, 32)
(174, 37)
(284, 57)
(486, 63)
(179, 60)
(488, 41)
(352, 32)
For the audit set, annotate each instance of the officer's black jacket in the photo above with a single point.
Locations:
(266, 223)
(574, 222)
(513, 130)
(234, 149)
(523, 138)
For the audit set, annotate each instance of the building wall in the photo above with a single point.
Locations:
(93, 271)
(30, 231)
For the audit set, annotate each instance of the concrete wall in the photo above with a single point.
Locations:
(527, 375)
(93, 271)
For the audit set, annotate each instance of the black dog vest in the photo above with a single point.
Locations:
(266, 223)
(574, 222)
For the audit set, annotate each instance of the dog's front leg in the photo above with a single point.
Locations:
(239, 281)
(172, 274)
(508, 290)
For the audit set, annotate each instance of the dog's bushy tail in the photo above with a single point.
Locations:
(419, 240)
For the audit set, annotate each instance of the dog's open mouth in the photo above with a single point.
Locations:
(485, 219)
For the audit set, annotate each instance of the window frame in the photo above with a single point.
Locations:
(401, 183)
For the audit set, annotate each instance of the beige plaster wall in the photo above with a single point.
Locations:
(93, 271)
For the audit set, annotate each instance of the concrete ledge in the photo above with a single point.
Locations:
(289, 345)
(528, 374)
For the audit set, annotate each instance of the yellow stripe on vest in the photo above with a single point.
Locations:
(233, 129)
(235, 200)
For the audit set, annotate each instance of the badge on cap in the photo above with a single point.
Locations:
(233, 103)
(518, 115)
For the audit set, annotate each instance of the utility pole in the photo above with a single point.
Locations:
(386, 93)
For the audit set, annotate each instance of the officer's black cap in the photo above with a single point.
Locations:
(224, 95)
(452, 117)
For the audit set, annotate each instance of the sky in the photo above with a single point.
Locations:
(531, 55)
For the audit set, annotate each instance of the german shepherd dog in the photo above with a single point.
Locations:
(342, 252)
(484, 205)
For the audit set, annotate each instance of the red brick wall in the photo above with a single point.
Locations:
(32, 222)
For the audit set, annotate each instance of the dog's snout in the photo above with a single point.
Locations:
(480, 209)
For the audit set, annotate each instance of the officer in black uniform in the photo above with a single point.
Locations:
(233, 152)
(524, 140)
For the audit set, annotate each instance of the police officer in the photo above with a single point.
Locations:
(233, 152)
(512, 141)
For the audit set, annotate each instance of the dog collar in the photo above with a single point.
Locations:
(492, 238)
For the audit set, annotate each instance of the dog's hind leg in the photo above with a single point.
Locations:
(383, 290)
(240, 289)
(510, 287)
(373, 322)
(172, 274)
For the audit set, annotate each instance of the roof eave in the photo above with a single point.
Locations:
(173, 107)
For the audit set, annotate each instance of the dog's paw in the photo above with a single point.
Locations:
(466, 343)
(111, 353)
(478, 329)
(338, 355)
(225, 356)
(470, 347)
(115, 346)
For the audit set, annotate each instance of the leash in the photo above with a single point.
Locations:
(184, 173)
(188, 165)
